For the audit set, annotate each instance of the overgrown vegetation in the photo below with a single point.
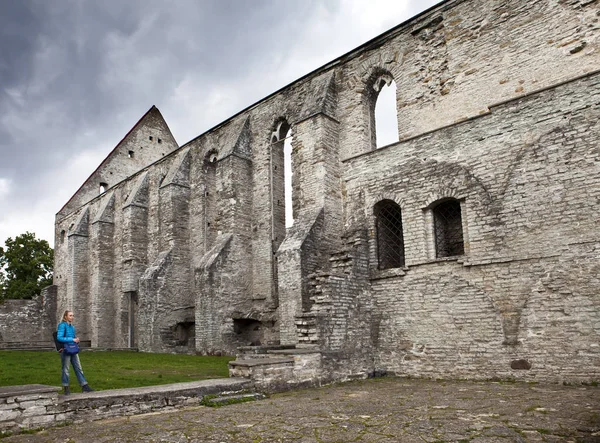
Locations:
(110, 369)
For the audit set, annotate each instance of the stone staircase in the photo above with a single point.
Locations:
(277, 368)
(280, 367)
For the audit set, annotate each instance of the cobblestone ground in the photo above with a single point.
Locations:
(380, 410)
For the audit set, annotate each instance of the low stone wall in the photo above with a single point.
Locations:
(40, 406)
(27, 407)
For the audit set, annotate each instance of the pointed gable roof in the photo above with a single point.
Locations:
(147, 141)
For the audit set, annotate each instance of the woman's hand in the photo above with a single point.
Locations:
(76, 340)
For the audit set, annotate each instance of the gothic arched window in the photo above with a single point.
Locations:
(381, 93)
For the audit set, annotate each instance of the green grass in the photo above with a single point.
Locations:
(110, 369)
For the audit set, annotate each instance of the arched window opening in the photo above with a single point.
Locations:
(390, 238)
(103, 187)
(281, 180)
(62, 236)
(448, 230)
(287, 178)
(210, 198)
(281, 195)
(386, 113)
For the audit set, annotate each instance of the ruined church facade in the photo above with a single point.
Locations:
(467, 248)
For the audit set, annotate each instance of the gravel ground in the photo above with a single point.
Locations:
(379, 410)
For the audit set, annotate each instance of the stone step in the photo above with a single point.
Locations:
(298, 351)
(259, 352)
(261, 368)
(27, 346)
(268, 361)
(262, 348)
(340, 257)
(251, 356)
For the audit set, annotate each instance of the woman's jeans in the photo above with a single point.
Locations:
(67, 359)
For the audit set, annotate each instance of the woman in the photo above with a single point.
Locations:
(66, 334)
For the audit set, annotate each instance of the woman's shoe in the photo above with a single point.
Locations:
(66, 390)
(86, 388)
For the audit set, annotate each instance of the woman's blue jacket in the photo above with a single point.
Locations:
(65, 332)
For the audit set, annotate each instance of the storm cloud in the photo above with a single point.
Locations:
(76, 75)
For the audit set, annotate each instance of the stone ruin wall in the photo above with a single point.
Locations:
(165, 227)
(143, 252)
(464, 56)
(25, 323)
(528, 177)
(453, 66)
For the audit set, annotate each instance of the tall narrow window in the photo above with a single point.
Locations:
(287, 178)
(281, 181)
(381, 96)
(281, 191)
(210, 199)
(132, 306)
(103, 187)
(390, 239)
(386, 116)
(448, 231)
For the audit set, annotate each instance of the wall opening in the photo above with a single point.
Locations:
(383, 111)
(281, 192)
(210, 199)
(130, 154)
(281, 181)
(287, 175)
(103, 187)
(448, 229)
(248, 331)
(132, 309)
(390, 237)
(184, 333)
(386, 116)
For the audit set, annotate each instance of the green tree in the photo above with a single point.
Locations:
(25, 266)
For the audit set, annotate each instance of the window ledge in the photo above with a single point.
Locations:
(378, 274)
(456, 258)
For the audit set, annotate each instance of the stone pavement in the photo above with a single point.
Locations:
(379, 410)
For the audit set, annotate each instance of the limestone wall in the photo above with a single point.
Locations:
(464, 56)
(29, 323)
(528, 173)
(148, 141)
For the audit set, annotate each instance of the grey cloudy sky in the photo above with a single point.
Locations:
(76, 75)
